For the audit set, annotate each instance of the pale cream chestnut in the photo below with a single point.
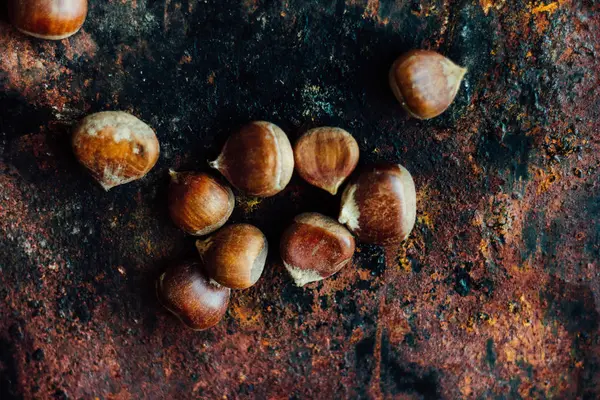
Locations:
(198, 203)
(425, 82)
(315, 247)
(258, 159)
(234, 256)
(115, 147)
(185, 291)
(379, 206)
(325, 157)
(48, 19)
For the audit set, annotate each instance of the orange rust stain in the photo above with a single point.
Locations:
(549, 8)
(251, 6)
(372, 10)
(211, 80)
(185, 59)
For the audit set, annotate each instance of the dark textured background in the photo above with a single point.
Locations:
(494, 296)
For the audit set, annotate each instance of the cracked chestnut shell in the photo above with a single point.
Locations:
(325, 157)
(315, 247)
(380, 205)
(185, 291)
(198, 203)
(425, 82)
(48, 19)
(234, 256)
(258, 159)
(115, 147)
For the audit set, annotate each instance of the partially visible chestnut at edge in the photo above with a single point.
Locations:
(185, 291)
(258, 159)
(48, 19)
(198, 203)
(325, 157)
(235, 255)
(315, 247)
(379, 206)
(425, 82)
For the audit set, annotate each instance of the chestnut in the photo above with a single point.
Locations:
(115, 147)
(191, 296)
(257, 160)
(198, 203)
(380, 205)
(314, 247)
(48, 19)
(325, 157)
(235, 256)
(425, 82)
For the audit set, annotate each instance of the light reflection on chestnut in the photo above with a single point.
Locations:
(185, 291)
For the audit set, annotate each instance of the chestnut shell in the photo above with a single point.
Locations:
(48, 19)
(185, 291)
(379, 206)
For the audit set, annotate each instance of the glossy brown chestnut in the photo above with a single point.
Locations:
(48, 19)
(234, 256)
(314, 247)
(380, 205)
(115, 147)
(325, 157)
(198, 203)
(425, 82)
(257, 160)
(186, 292)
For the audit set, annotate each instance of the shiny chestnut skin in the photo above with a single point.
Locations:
(198, 203)
(325, 157)
(48, 19)
(185, 291)
(380, 206)
(425, 82)
(258, 159)
(115, 147)
(315, 247)
(235, 255)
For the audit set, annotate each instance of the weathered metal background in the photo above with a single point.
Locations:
(495, 295)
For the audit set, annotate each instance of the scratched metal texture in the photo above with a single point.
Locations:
(494, 296)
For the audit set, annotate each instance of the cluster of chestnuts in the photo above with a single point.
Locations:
(378, 205)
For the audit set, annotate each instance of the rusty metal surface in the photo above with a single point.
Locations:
(495, 294)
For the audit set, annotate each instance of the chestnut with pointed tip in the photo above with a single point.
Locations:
(257, 160)
(425, 82)
(235, 256)
(325, 157)
(48, 19)
(198, 203)
(185, 291)
(380, 205)
(314, 247)
(115, 147)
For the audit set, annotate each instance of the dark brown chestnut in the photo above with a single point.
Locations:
(314, 247)
(234, 256)
(198, 203)
(380, 205)
(258, 159)
(186, 292)
(425, 82)
(48, 19)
